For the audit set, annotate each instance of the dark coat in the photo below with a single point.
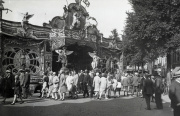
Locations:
(26, 80)
(7, 84)
(148, 86)
(86, 79)
(158, 85)
(174, 93)
(17, 87)
(81, 77)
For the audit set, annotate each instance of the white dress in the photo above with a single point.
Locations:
(114, 84)
(55, 84)
(96, 83)
(103, 84)
(69, 82)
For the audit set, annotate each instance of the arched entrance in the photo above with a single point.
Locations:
(78, 60)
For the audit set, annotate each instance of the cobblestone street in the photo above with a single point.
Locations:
(123, 106)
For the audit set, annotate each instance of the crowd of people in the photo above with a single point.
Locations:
(17, 84)
(93, 84)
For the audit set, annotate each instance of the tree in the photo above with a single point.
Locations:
(152, 29)
(114, 35)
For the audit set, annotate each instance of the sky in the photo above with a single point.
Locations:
(110, 14)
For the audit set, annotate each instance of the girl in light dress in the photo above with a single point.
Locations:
(96, 85)
(62, 84)
(114, 86)
(103, 86)
(45, 84)
(55, 85)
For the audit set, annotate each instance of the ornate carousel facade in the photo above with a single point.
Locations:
(24, 45)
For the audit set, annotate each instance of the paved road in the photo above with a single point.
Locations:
(123, 106)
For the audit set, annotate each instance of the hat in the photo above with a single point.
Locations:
(136, 73)
(86, 71)
(103, 74)
(8, 71)
(27, 69)
(54, 73)
(97, 74)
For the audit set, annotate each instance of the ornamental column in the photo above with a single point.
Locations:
(1, 9)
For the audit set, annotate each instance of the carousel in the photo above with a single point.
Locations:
(71, 40)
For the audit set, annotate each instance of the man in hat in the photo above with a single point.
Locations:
(80, 81)
(174, 94)
(26, 83)
(147, 90)
(125, 83)
(158, 91)
(7, 85)
(86, 83)
(135, 83)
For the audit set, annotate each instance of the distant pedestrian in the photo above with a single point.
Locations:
(125, 83)
(17, 90)
(45, 84)
(22, 79)
(96, 85)
(50, 84)
(26, 83)
(91, 84)
(80, 81)
(62, 84)
(86, 84)
(174, 95)
(148, 90)
(158, 92)
(114, 86)
(103, 86)
(7, 85)
(118, 88)
(135, 83)
(55, 85)
(109, 85)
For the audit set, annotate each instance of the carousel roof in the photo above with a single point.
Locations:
(63, 30)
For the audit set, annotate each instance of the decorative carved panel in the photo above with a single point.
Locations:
(14, 57)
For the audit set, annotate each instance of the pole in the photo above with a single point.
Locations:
(1, 8)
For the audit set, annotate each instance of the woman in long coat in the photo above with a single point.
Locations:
(62, 85)
(17, 90)
(96, 84)
(7, 83)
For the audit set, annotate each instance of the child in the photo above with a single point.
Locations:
(118, 88)
(17, 90)
(45, 84)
